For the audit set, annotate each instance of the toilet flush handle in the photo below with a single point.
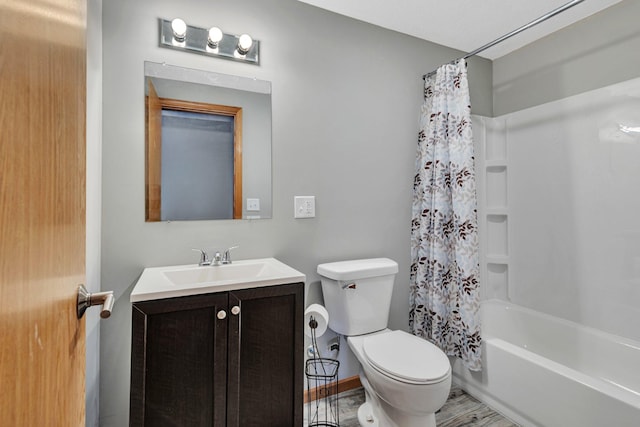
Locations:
(349, 285)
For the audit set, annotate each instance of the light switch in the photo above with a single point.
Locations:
(304, 206)
(253, 205)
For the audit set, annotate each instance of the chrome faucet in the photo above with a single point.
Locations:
(226, 257)
(218, 258)
(204, 257)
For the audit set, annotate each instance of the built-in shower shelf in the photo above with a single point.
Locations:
(500, 163)
(493, 209)
(497, 235)
(496, 186)
(497, 281)
(499, 211)
(497, 259)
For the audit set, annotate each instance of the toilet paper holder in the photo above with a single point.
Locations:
(313, 323)
(316, 320)
(322, 378)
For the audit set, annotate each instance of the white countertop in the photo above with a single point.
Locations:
(184, 280)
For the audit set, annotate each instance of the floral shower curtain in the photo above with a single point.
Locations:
(444, 289)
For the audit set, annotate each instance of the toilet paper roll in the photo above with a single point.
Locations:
(320, 315)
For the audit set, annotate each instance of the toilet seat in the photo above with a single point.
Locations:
(406, 358)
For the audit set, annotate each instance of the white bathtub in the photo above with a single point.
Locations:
(540, 370)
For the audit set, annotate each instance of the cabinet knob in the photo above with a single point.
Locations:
(235, 310)
(222, 314)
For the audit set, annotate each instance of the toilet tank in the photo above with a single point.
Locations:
(357, 294)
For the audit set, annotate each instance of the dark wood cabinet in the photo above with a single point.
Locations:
(224, 359)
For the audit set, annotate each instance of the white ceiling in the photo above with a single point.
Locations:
(464, 24)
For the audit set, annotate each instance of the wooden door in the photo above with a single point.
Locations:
(153, 158)
(154, 149)
(42, 211)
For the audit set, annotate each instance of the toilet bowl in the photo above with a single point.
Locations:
(409, 378)
(406, 379)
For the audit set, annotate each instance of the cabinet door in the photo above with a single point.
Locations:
(266, 357)
(178, 362)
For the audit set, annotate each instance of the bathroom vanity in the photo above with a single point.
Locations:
(218, 346)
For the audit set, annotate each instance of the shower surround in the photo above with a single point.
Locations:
(559, 196)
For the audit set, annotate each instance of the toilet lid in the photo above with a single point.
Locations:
(406, 357)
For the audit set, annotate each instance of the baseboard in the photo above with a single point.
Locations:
(343, 385)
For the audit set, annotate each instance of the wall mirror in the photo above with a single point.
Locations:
(207, 145)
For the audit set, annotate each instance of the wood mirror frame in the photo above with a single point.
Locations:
(153, 148)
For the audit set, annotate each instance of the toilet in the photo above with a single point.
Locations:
(406, 378)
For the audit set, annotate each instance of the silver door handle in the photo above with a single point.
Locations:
(87, 299)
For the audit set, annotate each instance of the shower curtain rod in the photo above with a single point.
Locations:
(513, 33)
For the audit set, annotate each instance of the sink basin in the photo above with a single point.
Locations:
(222, 273)
(176, 281)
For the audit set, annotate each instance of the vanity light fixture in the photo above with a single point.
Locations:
(179, 29)
(176, 34)
(244, 44)
(629, 129)
(215, 35)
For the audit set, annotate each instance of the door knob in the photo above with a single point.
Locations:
(222, 314)
(87, 299)
(235, 310)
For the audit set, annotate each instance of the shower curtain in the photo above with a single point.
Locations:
(444, 281)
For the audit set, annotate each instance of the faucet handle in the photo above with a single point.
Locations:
(226, 257)
(204, 258)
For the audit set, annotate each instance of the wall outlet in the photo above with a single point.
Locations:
(304, 206)
(253, 205)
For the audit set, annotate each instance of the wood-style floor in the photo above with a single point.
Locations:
(460, 410)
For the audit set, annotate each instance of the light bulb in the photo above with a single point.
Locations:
(215, 35)
(179, 28)
(629, 129)
(244, 44)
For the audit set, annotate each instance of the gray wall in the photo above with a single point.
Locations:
(598, 51)
(346, 99)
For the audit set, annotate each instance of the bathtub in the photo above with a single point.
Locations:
(539, 370)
